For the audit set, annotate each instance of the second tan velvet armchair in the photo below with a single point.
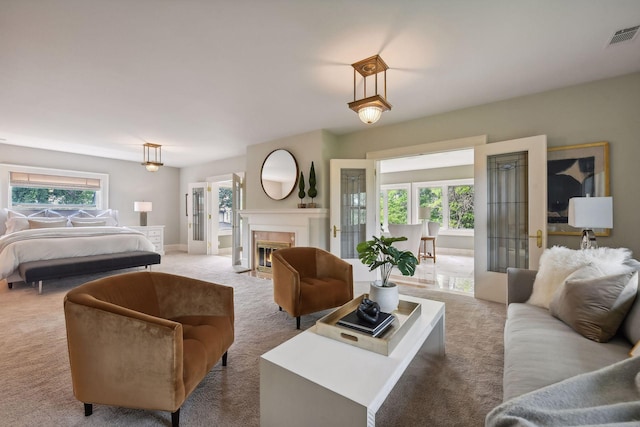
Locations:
(307, 280)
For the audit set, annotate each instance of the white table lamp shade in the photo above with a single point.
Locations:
(424, 212)
(591, 212)
(142, 206)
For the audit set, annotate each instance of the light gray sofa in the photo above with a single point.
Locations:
(540, 349)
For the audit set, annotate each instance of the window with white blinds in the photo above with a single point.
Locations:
(33, 187)
(25, 179)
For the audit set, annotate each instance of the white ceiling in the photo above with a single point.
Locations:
(206, 78)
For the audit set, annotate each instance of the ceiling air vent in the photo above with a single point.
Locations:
(624, 35)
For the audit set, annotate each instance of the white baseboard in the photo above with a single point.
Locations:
(454, 251)
(176, 248)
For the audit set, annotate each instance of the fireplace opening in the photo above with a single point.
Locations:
(264, 251)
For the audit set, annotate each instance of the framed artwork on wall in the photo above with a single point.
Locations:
(575, 171)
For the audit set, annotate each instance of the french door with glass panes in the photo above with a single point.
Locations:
(510, 211)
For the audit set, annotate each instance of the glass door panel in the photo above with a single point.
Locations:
(353, 221)
(197, 220)
(507, 204)
(353, 210)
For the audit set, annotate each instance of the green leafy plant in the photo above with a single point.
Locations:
(380, 253)
(313, 192)
(301, 192)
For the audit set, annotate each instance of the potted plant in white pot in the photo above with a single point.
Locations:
(380, 253)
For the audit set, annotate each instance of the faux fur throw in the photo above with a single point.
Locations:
(558, 262)
(606, 397)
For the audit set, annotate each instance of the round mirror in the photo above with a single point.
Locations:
(279, 174)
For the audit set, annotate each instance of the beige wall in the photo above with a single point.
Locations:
(316, 146)
(605, 110)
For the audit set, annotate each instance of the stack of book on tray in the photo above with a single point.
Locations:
(376, 329)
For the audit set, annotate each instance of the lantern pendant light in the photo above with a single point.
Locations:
(370, 108)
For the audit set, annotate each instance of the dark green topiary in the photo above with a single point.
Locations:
(301, 192)
(313, 192)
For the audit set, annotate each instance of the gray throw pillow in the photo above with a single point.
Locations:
(595, 307)
(631, 325)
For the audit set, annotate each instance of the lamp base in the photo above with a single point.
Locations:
(588, 240)
(143, 219)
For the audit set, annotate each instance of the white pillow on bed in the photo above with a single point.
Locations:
(16, 224)
(17, 221)
(39, 214)
(81, 214)
(110, 216)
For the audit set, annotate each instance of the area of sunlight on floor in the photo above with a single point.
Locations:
(453, 273)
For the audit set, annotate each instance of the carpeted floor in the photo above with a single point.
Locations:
(457, 390)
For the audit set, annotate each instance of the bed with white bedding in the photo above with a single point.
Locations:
(45, 235)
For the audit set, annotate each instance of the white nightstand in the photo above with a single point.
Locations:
(155, 234)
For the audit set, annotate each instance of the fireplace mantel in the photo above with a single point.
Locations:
(310, 226)
(299, 211)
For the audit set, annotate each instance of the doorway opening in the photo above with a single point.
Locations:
(435, 190)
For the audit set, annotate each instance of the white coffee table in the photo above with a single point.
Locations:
(311, 380)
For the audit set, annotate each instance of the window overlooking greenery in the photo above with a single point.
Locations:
(41, 197)
(39, 188)
(396, 202)
(450, 203)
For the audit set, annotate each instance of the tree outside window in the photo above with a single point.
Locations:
(397, 207)
(432, 197)
(225, 217)
(461, 207)
(41, 197)
(450, 203)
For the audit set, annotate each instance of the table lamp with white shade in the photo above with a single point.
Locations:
(143, 208)
(589, 213)
(424, 214)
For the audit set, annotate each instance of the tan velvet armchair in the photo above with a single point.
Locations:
(307, 280)
(145, 339)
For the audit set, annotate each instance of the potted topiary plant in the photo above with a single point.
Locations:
(313, 192)
(380, 253)
(301, 192)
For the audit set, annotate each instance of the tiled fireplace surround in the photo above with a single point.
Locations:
(282, 228)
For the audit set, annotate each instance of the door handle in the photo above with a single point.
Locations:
(335, 231)
(538, 237)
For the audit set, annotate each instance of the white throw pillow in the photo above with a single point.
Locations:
(16, 224)
(110, 215)
(81, 214)
(558, 262)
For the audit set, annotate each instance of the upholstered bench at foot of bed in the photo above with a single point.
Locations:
(37, 271)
